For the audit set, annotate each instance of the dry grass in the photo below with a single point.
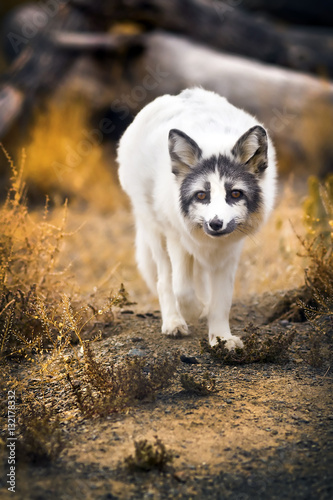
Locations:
(102, 390)
(313, 301)
(29, 250)
(41, 438)
(318, 247)
(28, 267)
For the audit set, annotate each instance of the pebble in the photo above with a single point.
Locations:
(181, 476)
(189, 360)
(137, 352)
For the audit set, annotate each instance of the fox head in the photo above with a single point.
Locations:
(221, 194)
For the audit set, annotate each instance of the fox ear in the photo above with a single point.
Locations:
(251, 150)
(184, 152)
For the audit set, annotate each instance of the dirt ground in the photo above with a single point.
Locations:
(265, 433)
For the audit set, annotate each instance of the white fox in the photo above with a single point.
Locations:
(200, 174)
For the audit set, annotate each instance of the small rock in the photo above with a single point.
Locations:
(136, 352)
(189, 360)
(181, 476)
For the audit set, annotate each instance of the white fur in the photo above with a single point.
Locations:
(192, 272)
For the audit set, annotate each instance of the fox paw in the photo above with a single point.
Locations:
(175, 328)
(232, 341)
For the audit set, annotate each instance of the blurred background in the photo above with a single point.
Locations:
(74, 73)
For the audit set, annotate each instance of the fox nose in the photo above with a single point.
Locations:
(216, 224)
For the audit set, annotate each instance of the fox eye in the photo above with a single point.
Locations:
(201, 195)
(236, 194)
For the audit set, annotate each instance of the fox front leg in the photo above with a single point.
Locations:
(189, 306)
(222, 283)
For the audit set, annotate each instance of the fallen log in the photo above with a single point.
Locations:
(222, 26)
(296, 108)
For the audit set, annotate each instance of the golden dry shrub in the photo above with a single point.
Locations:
(318, 249)
(29, 252)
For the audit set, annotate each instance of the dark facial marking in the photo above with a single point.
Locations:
(236, 172)
(188, 196)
